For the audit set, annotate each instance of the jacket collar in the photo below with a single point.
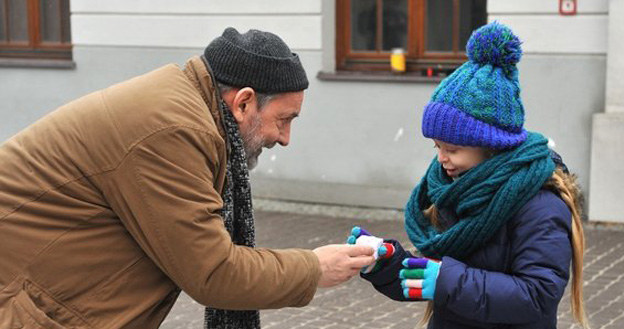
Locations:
(200, 74)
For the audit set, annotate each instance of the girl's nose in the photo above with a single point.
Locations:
(441, 157)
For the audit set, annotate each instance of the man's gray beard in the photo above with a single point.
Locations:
(253, 142)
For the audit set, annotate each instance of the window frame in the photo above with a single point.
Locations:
(35, 47)
(417, 58)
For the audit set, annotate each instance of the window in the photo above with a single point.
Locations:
(432, 33)
(35, 29)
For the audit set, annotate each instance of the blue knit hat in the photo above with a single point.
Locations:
(479, 104)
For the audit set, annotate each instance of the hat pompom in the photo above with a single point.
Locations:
(494, 44)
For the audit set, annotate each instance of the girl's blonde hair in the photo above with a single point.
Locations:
(565, 186)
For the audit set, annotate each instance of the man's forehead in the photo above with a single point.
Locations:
(291, 102)
(295, 97)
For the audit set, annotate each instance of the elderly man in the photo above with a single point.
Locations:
(114, 203)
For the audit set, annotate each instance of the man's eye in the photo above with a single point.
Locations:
(284, 121)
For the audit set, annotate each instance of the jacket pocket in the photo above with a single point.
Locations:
(32, 307)
(26, 315)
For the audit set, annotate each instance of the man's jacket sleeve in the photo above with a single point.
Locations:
(541, 253)
(164, 193)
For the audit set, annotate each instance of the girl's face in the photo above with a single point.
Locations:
(456, 159)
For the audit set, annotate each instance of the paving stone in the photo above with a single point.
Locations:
(347, 305)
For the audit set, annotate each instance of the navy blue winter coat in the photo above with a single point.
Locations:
(515, 281)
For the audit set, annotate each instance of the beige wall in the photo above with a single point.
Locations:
(191, 23)
(607, 157)
(355, 143)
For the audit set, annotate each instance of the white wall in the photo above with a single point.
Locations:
(365, 142)
(615, 62)
(549, 7)
(192, 23)
(607, 173)
(545, 31)
(355, 142)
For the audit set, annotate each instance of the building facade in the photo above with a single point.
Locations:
(358, 140)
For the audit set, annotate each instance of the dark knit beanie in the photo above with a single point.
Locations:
(256, 59)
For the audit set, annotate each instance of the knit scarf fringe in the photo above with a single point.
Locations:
(484, 198)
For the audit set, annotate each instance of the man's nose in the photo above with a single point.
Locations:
(284, 138)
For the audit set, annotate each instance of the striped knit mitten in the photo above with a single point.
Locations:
(418, 278)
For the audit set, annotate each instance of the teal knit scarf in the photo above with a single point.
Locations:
(484, 198)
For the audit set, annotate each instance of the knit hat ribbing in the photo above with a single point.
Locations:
(479, 104)
(256, 59)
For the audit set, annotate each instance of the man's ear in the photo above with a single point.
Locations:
(243, 104)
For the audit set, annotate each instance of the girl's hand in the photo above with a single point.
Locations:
(418, 278)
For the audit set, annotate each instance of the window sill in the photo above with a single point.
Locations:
(38, 63)
(376, 77)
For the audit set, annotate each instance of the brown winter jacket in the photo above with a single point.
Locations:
(111, 204)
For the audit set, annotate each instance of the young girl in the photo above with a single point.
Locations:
(496, 218)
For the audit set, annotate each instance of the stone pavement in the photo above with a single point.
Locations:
(357, 305)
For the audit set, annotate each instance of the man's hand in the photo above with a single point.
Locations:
(383, 250)
(341, 262)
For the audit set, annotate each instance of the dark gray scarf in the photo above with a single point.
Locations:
(238, 217)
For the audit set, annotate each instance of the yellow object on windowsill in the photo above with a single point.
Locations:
(397, 60)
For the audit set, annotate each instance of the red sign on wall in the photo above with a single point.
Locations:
(567, 7)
